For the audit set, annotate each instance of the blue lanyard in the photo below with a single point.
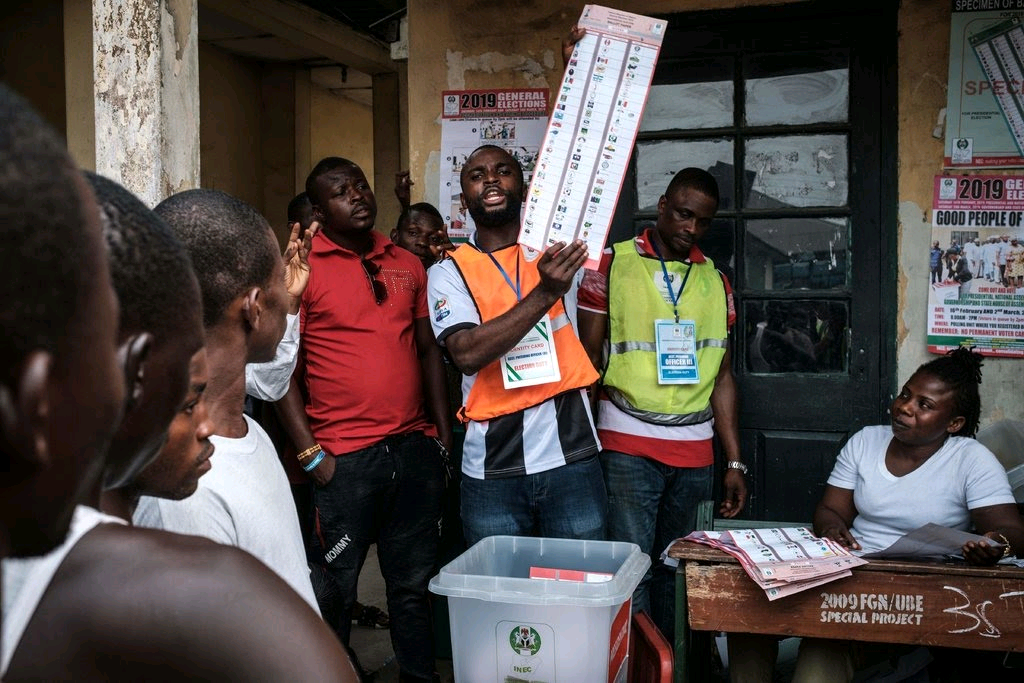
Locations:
(515, 287)
(668, 281)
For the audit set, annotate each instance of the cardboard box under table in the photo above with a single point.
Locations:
(570, 627)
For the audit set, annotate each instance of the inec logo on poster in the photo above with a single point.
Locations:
(947, 188)
(962, 151)
(525, 640)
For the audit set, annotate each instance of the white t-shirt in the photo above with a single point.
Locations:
(244, 501)
(25, 580)
(961, 476)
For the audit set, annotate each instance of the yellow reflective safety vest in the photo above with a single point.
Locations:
(493, 296)
(634, 303)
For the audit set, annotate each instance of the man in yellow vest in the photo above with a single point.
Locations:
(664, 313)
(530, 461)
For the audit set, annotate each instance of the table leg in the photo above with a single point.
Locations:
(681, 669)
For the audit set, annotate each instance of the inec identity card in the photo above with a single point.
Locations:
(676, 346)
(533, 360)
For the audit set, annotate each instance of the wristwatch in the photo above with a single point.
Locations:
(737, 465)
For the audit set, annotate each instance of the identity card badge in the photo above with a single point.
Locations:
(532, 361)
(676, 346)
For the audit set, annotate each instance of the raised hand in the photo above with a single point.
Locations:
(569, 43)
(296, 259)
(403, 185)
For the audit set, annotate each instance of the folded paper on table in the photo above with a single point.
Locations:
(783, 560)
(931, 541)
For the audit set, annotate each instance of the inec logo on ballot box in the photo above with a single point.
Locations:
(525, 640)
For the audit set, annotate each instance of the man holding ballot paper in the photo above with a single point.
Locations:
(530, 461)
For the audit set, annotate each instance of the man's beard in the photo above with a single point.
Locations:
(498, 218)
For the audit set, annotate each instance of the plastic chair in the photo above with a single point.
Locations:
(650, 655)
(1005, 438)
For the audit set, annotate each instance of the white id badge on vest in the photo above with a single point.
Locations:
(532, 361)
(676, 345)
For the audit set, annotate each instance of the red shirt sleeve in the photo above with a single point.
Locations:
(730, 302)
(593, 292)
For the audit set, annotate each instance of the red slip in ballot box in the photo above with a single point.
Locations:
(552, 574)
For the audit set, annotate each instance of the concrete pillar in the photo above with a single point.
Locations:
(146, 61)
(387, 144)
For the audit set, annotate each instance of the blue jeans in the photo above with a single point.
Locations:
(652, 504)
(390, 494)
(566, 502)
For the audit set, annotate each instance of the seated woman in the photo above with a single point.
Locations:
(924, 468)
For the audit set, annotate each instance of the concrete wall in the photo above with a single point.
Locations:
(923, 65)
(456, 44)
(256, 118)
(229, 93)
(341, 127)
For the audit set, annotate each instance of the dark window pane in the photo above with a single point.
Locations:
(657, 162)
(797, 253)
(796, 336)
(794, 89)
(691, 95)
(798, 170)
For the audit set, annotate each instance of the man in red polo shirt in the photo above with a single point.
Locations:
(368, 410)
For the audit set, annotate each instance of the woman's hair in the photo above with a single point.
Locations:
(960, 369)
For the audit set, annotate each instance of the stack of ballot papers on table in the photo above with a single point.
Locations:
(783, 561)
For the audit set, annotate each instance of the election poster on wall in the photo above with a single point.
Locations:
(976, 265)
(985, 102)
(512, 119)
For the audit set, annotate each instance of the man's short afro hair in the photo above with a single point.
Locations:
(42, 228)
(150, 269)
(229, 242)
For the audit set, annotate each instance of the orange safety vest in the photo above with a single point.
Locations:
(494, 296)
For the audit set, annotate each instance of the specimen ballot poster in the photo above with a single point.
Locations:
(977, 298)
(513, 119)
(985, 102)
(591, 131)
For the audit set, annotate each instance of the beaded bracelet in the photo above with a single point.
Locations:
(311, 465)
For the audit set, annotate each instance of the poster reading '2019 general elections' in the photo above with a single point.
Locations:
(976, 265)
(985, 101)
(590, 134)
(513, 119)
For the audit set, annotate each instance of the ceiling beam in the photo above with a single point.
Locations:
(311, 30)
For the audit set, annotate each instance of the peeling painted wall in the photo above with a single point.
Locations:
(923, 65)
(145, 59)
(340, 126)
(467, 45)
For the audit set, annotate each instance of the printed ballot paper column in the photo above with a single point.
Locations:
(590, 135)
(568, 625)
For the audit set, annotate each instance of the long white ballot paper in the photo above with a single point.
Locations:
(593, 126)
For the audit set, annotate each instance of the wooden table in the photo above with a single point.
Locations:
(923, 603)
